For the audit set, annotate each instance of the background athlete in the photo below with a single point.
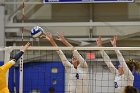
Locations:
(123, 75)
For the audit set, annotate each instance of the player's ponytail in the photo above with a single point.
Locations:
(137, 67)
(133, 65)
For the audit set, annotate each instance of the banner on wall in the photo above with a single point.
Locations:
(86, 1)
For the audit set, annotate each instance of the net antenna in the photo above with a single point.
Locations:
(21, 59)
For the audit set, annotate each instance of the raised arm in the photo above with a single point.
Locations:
(22, 50)
(63, 58)
(121, 59)
(15, 58)
(106, 57)
(61, 38)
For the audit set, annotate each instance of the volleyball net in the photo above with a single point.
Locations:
(42, 70)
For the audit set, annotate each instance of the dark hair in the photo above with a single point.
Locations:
(130, 89)
(51, 90)
(133, 65)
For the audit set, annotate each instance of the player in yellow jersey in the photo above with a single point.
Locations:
(4, 68)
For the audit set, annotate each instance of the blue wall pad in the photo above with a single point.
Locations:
(38, 76)
(11, 80)
(137, 81)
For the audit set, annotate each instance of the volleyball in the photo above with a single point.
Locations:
(36, 32)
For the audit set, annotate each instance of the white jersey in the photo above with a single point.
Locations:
(78, 79)
(120, 81)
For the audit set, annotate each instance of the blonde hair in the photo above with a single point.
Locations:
(133, 65)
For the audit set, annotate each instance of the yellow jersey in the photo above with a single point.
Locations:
(3, 70)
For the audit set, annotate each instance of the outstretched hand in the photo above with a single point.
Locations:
(99, 42)
(24, 48)
(47, 36)
(60, 36)
(113, 41)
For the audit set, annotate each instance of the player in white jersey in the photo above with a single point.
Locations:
(123, 75)
(76, 72)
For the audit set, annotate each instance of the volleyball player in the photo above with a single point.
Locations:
(4, 68)
(130, 89)
(76, 71)
(123, 75)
